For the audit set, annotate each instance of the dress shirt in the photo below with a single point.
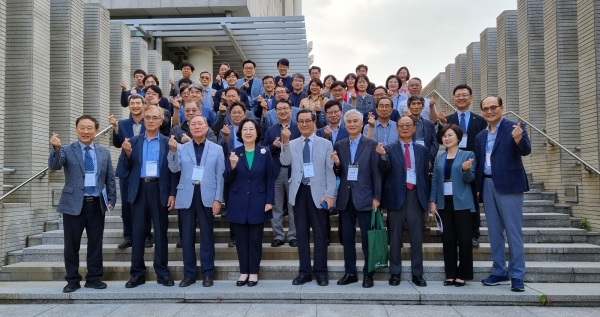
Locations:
(411, 149)
(249, 89)
(396, 100)
(295, 98)
(334, 133)
(199, 149)
(384, 134)
(467, 118)
(233, 135)
(420, 133)
(137, 127)
(151, 153)
(402, 107)
(353, 148)
(490, 139)
(92, 152)
(310, 144)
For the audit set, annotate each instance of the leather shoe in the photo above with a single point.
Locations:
(125, 244)
(97, 284)
(301, 279)
(187, 282)
(276, 243)
(71, 287)
(252, 283)
(460, 284)
(449, 282)
(367, 281)
(241, 283)
(475, 243)
(293, 243)
(148, 244)
(395, 279)
(347, 279)
(165, 280)
(207, 281)
(135, 282)
(419, 281)
(322, 280)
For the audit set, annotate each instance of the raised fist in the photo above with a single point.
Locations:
(285, 134)
(218, 78)
(233, 159)
(380, 149)
(442, 116)
(327, 131)
(353, 94)
(467, 165)
(185, 138)
(334, 157)
(173, 144)
(175, 102)
(277, 143)
(371, 120)
(246, 84)
(112, 120)
(123, 85)
(126, 146)
(55, 141)
(171, 82)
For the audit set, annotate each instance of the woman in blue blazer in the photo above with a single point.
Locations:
(451, 193)
(249, 172)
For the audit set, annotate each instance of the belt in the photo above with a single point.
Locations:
(487, 176)
(150, 179)
(88, 199)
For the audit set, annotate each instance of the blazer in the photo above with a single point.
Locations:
(184, 161)
(230, 144)
(273, 133)
(250, 189)
(177, 131)
(507, 166)
(368, 185)
(243, 98)
(271, 118)
(342, 133)
(462, 194)
(225, 119)
(323, 183)
(167, 181)
(430, 140)
(125, 131)
(476, 124)
(394, 166)
(71, 158)
(256, 89)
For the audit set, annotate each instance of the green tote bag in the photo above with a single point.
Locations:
(378, 242)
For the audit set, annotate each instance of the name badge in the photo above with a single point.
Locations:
(447, 188)
(421, 143)
(309, 169)
(90, 179)
(151, 169)
(198, 173)
(352, 172)
(488, 159)
(411, 176)
(463, 142)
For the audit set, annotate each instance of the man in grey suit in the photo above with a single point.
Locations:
(88, 175)
(355, 162)
(199, 195)
(312, 185)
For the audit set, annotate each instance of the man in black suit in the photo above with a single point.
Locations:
(356, 163)
(471, 124)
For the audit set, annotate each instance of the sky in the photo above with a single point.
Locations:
(424, 35)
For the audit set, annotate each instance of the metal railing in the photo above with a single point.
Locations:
(41, 173)
(553, 142)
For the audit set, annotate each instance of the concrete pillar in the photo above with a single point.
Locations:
(167, 73)
(508, 64)
(474, 72)
(489, 62)
(563, 117)
(120, 65)
(155, 65)
(449, 81)
(460, 64)
(158, 46)
(2, 65)
(202, 59)
(27, 90)
(297, 7)
(139, 57)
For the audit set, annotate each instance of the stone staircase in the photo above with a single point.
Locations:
(556, 250)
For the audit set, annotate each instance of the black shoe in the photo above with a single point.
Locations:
(241, 283)
(419, 281)
(460, 284)
(426, 228)
(301, 279)
(252, 283)
(178, 244)
(367, 282)
(71, 287)
(148, 244)
(125, 244)
(322, 280)
(347, 279)
(135, 282)
(97, 284)
(475, 243)
(207, 281)
(293, 243)
(231, 243)
(395, 279)
(165, 280)
(187, 282)
(449, 282)
(276, 243)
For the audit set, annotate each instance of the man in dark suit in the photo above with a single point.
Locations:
(501, 182)
(378, 93)
(152, 189)
(88, 177)
(471, 124)
(406, 196)
(122, 129)
(355, 162)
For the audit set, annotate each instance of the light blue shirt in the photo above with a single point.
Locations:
(412, 153)
(384, 134)
(490, 139)
(310, 144)
(425, 113)
(334, 133)
(92, 152)
(353, 148)
(236, 143)
(151, 153)
(208, 99)
(396, 100)
(467, 118)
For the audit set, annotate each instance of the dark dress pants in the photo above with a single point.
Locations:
(249, 246)
(307, 215)
(411, 214)
(148, 204)
(475, 216)
(126, 212)
(348, 218)
(226, 188)
(457, 233)
(92, 220)
(197, 213)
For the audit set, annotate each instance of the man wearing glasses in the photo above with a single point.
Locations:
(378, 93)
(382, 130)
(250, 84)
(269, 118)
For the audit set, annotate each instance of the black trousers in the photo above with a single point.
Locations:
(249, 246)
(475, 216)
(457, 233)
(148, 204)
(201, 215)
(92, 220)
(226, 188)
(408, 216)
(348, 218)
(126, 212)
(307, 215)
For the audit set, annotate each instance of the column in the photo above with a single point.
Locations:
(449, 81)
(155, 66)
(2, 113)
(460, 64)
(139, 57)
(202, 59)
(508, 64)
(489, 62)
(474, 72)
(167, 73)
(120, 65)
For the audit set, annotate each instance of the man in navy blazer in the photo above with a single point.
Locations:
(335, 130)
(501, 182)
(406, 195)
(250, 84)
(152, 188)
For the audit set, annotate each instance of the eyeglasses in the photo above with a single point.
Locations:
(333, 113)
(204, 77)
(191, 110)
(338, 90)
(462, 96)
(237, 113)
(282, 108)
(405, 126)
(303, 122)
(380, 95)
(492, 108)
(152, 118)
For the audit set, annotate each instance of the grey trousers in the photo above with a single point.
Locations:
(282, 187)
(410, 213)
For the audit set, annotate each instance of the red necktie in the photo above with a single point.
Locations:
(408, 166)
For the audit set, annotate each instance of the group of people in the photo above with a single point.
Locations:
(278, 145)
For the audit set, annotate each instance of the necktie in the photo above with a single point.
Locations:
(88, 164)
(408, 165)
(306, 158)
(462, 123)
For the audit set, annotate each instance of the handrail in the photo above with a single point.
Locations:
(42, 172)
(443, 99)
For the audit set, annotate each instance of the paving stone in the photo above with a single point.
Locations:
(214, 310)
(563, 311)
(420, 311)
(20, 310)
(78, 310)
(559, 293)
(483, 311)
(227, 291)
(147, 310)
(474, 291)
(306, 310)
(116, 291)
(33, 291)
(344, 310)
(382, 291)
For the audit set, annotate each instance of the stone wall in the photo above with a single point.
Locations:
(120, 65)
(139, 57)
(474, 72)
(460, 74)
(489, 62)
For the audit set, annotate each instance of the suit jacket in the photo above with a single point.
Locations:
(368, 185)
(243, 98)
(184, 161)
(271, 118)
(273, 133)
(342, 133)
(507, 166)
(462, 194)
(225, 119)
(250, 189)
(394, 166)
(125, 131)
(71, 158)
(323, 183)
(230, 144)
(167, 181)
(256, 89)
(430, 140)
(476, 124)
